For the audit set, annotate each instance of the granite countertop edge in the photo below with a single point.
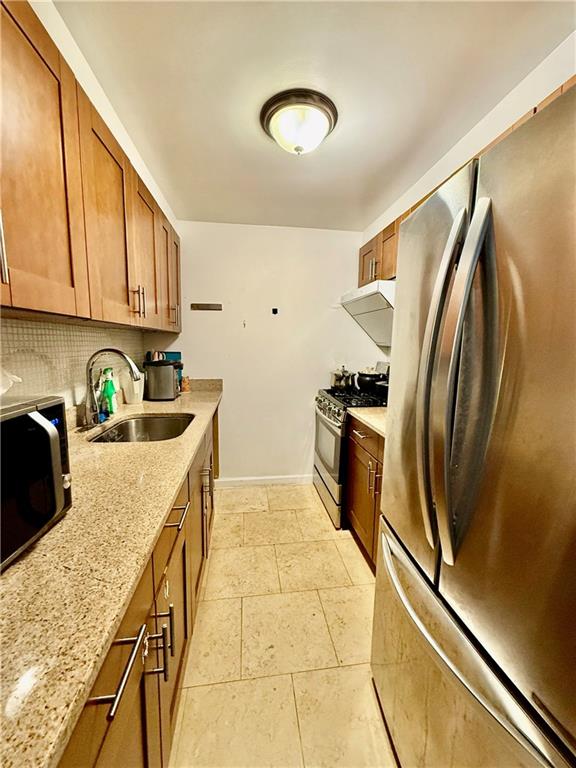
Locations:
(375, 418)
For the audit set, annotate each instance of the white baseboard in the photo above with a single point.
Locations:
(231, 482)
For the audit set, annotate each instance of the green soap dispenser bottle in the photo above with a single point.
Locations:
(109, 399)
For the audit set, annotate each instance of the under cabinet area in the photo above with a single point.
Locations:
(365, 455)
(130, 714)
(83, 237)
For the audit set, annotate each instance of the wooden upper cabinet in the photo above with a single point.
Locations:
(41, 182)
(146, 255)
(387, 265)
(168, 244)
(163, 248)
(377, 258)
(114, 291)
(174, 298)
(370, 256)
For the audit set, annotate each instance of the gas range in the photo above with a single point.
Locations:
(334, 402)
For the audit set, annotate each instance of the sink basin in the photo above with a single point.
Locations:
(144, 429)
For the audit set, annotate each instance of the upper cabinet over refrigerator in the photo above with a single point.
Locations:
(513, 546)
(430, 240)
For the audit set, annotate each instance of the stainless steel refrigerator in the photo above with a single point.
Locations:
(474, 643)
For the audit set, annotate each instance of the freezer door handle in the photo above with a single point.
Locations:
(425, 369)
(454, 651)
(453, 516)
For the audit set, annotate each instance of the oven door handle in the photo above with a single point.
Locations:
(55, 457)
(339, 430)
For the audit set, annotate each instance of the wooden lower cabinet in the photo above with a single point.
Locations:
(365, 450)
(122, 741)
(160, 621)
(173, 600)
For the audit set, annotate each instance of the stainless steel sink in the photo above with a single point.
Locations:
(143, 429)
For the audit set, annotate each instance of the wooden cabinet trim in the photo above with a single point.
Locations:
(33, 29)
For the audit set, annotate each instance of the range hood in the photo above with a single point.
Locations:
(372, 306)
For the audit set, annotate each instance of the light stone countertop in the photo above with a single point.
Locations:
(375, 418)
(62, 602)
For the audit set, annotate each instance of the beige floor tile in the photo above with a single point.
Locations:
(291, 496)
(349, 612)
(240, 571)
(271, 527)
(310, 565)
(248, 498)
(246, 724)
(215, 646)
(227, 530)
(355, 562)
(316, 525)
(340, 722)
(284, 633)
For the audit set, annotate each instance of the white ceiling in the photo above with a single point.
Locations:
(409, 79)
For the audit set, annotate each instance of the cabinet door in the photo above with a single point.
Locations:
(163, 249)
(377, 492)
(179, 512)
(123, 741)
(145, 254)
(41, 182)
(105, 189)
(174, 302)
(369, 260)
(360, 495)
(197, 528)
(172, 600)
(387, 266)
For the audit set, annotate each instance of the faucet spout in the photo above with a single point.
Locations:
(91, 415)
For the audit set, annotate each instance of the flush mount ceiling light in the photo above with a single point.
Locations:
(299, 119)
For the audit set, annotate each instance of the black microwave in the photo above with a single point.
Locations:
(35, 471)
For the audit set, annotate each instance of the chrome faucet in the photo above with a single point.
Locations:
(91, 413)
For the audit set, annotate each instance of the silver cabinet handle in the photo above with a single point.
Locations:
(174, 308)
(138, 292)
(180, 523)
(370, 489)
(376, 488)
(453, 519)
(115, 698)
(55, 457)
(4, 273)
(143, 289)
(169, 614)
(426, 367)
(164, 670)
(492, 694)
(360, 435)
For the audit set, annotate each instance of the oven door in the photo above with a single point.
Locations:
(328, 454)
(32, 490)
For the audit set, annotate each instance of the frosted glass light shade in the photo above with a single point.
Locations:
(299, 128)
(299, 119)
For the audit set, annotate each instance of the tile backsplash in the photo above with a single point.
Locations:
(50, 357)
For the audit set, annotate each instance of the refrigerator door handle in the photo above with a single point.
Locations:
(464, 662)
(429, 344)
(452, 522)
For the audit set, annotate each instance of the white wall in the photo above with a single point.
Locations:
(272, 365)
(549, 75)
(62, 37)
